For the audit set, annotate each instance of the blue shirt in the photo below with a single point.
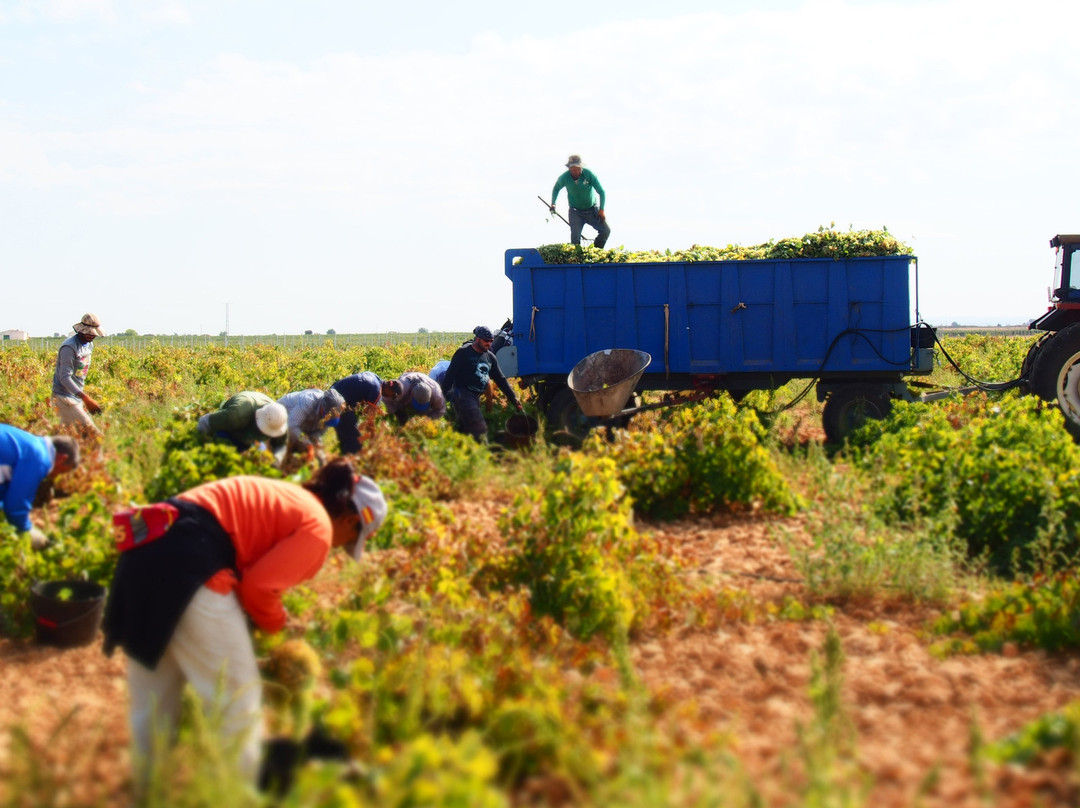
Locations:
(438, 373)
(25, 460)
(365, 386)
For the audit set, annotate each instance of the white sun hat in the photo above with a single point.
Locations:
(272, 420)
(371, 505)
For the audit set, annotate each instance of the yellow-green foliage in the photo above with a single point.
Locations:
(122, 378)
(441, 772)
(424, 457)
(1007, 470)
(572, 545)
(1050, 731)
(702, 457)
(474, 661)
(81, 547)
(431, 771)
(1044, 613)
(983, 357)
(564, 543)
(466, 665)
(825, 243)
(448, 690)
(182, 469)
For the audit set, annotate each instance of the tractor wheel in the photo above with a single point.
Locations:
(1055, 374)
(1069, 400)
(851, 406)
(1029, 363)
(1052, 361)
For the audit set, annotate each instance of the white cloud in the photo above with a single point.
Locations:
(67, 12)
(62, 11)
(166, 12)
(938, 118)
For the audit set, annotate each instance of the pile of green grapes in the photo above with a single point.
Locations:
(825, 243)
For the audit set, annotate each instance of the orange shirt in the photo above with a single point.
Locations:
(282, 536)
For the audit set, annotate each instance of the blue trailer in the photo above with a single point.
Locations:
(723, 325)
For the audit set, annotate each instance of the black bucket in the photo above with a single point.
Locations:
(67, 613)
(521, 431)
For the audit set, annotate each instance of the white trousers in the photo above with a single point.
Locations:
(211, 649)
(73, 411)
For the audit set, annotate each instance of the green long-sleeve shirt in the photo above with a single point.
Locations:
(237, 417)
(579, 192)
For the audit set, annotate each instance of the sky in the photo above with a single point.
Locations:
(183, 166)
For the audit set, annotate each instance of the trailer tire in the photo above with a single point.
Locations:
(852, 405)
(545, 394)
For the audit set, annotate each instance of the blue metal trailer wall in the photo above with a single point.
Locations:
(716, 317)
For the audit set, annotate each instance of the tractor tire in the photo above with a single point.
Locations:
(1029, 363)
(1055, 356)
(1055, 375)
(849, 407)
(1069, 401)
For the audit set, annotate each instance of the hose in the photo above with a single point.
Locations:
(987, 386)
(862, 333)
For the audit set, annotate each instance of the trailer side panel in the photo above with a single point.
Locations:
(791, 317)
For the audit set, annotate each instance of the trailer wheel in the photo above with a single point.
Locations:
(545, 394)
(852, 405)
(1055, 375)
(564, 415)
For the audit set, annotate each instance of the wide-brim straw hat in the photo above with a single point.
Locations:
(89, 324)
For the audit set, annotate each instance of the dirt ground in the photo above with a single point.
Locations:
(913, 714)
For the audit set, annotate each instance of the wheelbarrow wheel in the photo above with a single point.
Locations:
(564, 415)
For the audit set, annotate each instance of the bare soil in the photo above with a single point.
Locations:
(912, 714)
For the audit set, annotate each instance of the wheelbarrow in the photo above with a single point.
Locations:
(603, 382)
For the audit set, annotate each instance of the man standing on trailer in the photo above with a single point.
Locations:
(471, 366)
(72, 365)
(582, 188)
